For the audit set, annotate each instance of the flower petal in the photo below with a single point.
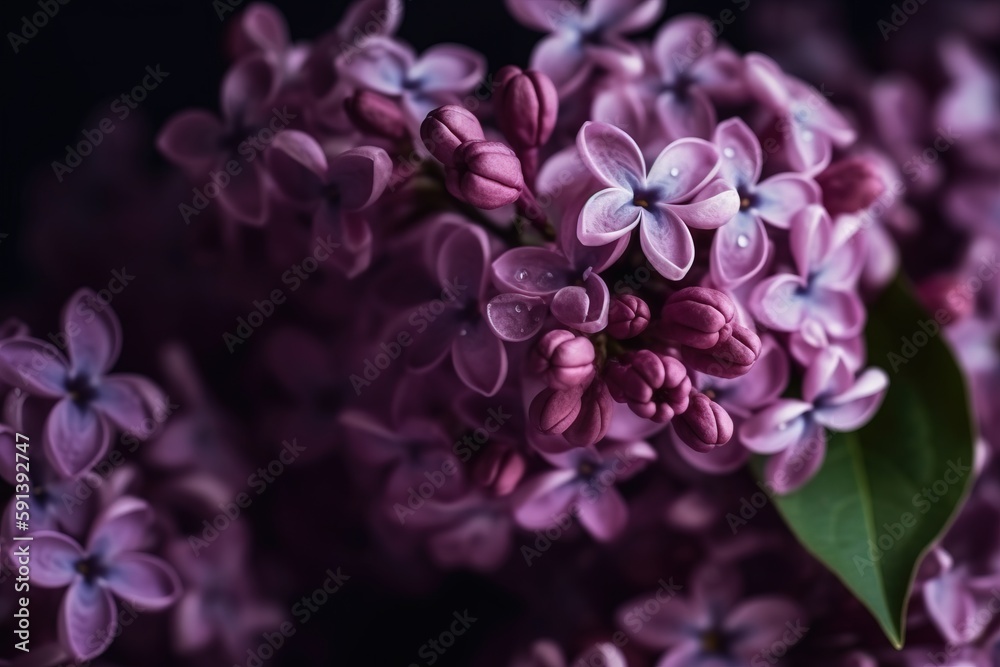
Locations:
(34, 365)
(130, 402)
(583, 308)
(86, 620)
(265, 26)
(53, 559)
(690, 114)
(611, 155)
(361, 175)
(480, 358)
(607, 216)
(246, 90)
(94, 335)
(856, 406)
(463, 262)
(767, 81)
(562, 58)
(739, 250)
(531, 270)
(75, 438)
(741, 158)
(543, 499)
(298, 166)
(123, 526)
(605, 515)
(760, 623)
(514, 317)
(776, 427)
(144, 580)
(711, 208)
(778, 302)
(799, 462)
(448, 68)
(842, 314)
(682, 169)
(667, 243)
(191, 139)
(778, 198)
(542, 15)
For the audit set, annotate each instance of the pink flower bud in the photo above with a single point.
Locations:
(698, 317)
(566, 360)
(850, 185)
(499, 468)
(731, 358)
(654, 386)
(553, 410)
(594, 419)
(376, 114)
(448, 127)
(704, 425)
(486, 174)
(526, 106)
(628, 316)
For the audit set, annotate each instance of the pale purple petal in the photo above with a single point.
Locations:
(605, 516)
(776, 427)
(613, 156)
(75, 438)
(545, 498)
(811, 239)
(381, 66)
(480, 358)
(86, 620)
(690, 114)
(761, 623)
(855, 407)
(464, 261)
(625, 17)
(34, 365)
(382, 15)
(799, 462)
(143, 580)
(842, 314)
(123, 526)
(129, 401)
(542, 15)
(607, 216)
(741, 156)
(808, 151)
(680, 42)
(667, 243)
(533, 271)
(717, 461)
(247, 89)
(94, 335)
(779, 304)
(191, 139)
(265, 26)
(952, 608)
(711, 208)
(739, 250)
(448, 68)
(514, 317)
(53, 559)
(682, 169)
(778, 198)
(583, 308)
(562, 58)
(766, 81)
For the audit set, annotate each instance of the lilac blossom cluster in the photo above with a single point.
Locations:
(549, 327)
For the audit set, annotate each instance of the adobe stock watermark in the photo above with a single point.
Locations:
(463, 449)
(230, 511)
(965, 291)
(294, 277)
(249, 149)
(123, 105)
(923, 501)
(432, 650)
(32, 23)
(420, 318)
(900, 14)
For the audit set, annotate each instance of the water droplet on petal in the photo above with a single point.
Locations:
(521, 274)
(518, 308)
(675, 172)
(521, 330)
(728, 152)
(742, 241)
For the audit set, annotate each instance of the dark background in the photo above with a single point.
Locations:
(95, 50)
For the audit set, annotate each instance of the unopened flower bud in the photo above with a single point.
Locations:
(526, 105)
(566, 359)
(448, 127)
(376, 114)
(850, 185)
(594, 419)
(628, 316)
(698, 317)
(731, 358)
(486, 174)
(704, 425)
(654, 386)
(552, 411)
(499, 468)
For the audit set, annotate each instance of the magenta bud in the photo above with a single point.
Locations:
(448, 127)
(628, 316)
(698, 317)
(552, 411)
(731, 358)
(526, 106)
(499, 468)
(594, 419)
(654, 386)
(376, 114)
(564, 358)
(850, 185)
(704, 425)
(486, 174)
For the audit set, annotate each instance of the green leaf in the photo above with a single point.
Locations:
(885, 493)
